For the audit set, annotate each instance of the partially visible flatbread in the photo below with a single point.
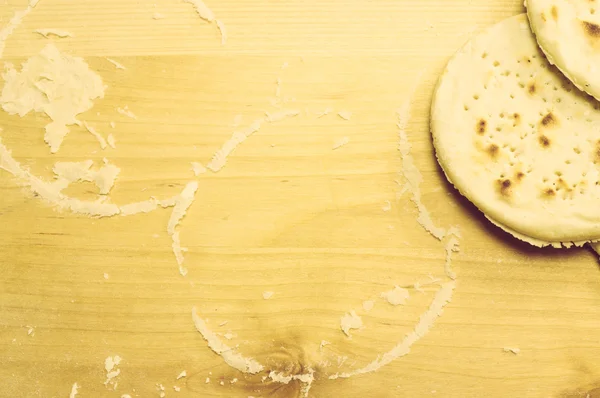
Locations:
(518, 139)
(568, 31)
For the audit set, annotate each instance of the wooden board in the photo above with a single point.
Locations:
(287, 214)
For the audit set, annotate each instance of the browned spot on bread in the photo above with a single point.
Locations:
(481, 126)
(549, 120)
(504, 187)
(554, 12)
(519, 176)
(597, 152)
(531, 88)
(543, 16)
(591, 29)
(517, 119)
(549, 193)
(493, 150)
(544, 141)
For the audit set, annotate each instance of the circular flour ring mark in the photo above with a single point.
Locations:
(442, 297)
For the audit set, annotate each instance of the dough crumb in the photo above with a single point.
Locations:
(340, 143)
(514, 350)
(126, 112)
(326, 112)
(106, 276)
(30, 330)
(116, 64)
(158, 15)
(176, 388)
(207, 380)
(349, 321)
(387, 206)
(203, 11)
(368, 305)
(396, 296)
(267, 295)
(74, 390)
(222, 30)
(181, 375)
(111, 141)
(113, 125)
(96, 135)
(110, 366)
(346, 115)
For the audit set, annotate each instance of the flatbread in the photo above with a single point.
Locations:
(568, 31)
(518, 139)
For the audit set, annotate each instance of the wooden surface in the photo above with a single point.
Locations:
(287, 214)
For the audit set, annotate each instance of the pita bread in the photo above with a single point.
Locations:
(518, 139)
(568, 31)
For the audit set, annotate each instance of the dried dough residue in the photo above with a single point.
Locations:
(54, 32)
(116, 64)
(206, 13)
(181, 375)
(426, 321)
(158, 15)
(198, 168)
(70, 172)
(182, 203)
(14, 22)
(349, 321)
(111, 367)
(51, 192)
(340, 143)
(281, 115)
(327, 111)
(229, 354)
(452, 246)
(368, 305)
(74, 390)
(306, 378)
(96, 135)
(387, 206)
(396, 296)
(220, 157)
(514, 350)
(111, 141)
(346, 115)
(267, 295)
(59, 85)
(222, 30)
(126, 112)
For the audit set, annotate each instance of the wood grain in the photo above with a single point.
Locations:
(287, 214)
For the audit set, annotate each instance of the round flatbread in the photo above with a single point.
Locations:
(518, 139)
(568, 31)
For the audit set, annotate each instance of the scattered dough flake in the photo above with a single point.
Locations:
(323, 344)
(182, 204)
(203, 11)
(326, 112)
(70, 172)
(267, 295)
(222, 30)
(74, 390)
(97, 135)
(281, 115)
(111, 141)
(228, 335)
(116, 64)
(126, 112)
(14, 22)
(176, 388)
(514, 350)
(56, 84)
(341, 142)
(346, 115)
(30, 330)
(112, 125)
(182, 374)
(396, 296)
(110, 366)
(368, 305)
(158, 15)
(207, 380)
(349, 321)
(219, 159)
(229, 355)
(106, 276)
(198, 168)
(53, 32)
(426, 321)
(387, 206)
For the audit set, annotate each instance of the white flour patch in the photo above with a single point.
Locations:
(349, 321)
(56, 84)
(396, 296)
(74, 390)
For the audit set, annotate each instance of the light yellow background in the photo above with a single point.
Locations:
(287, 214)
